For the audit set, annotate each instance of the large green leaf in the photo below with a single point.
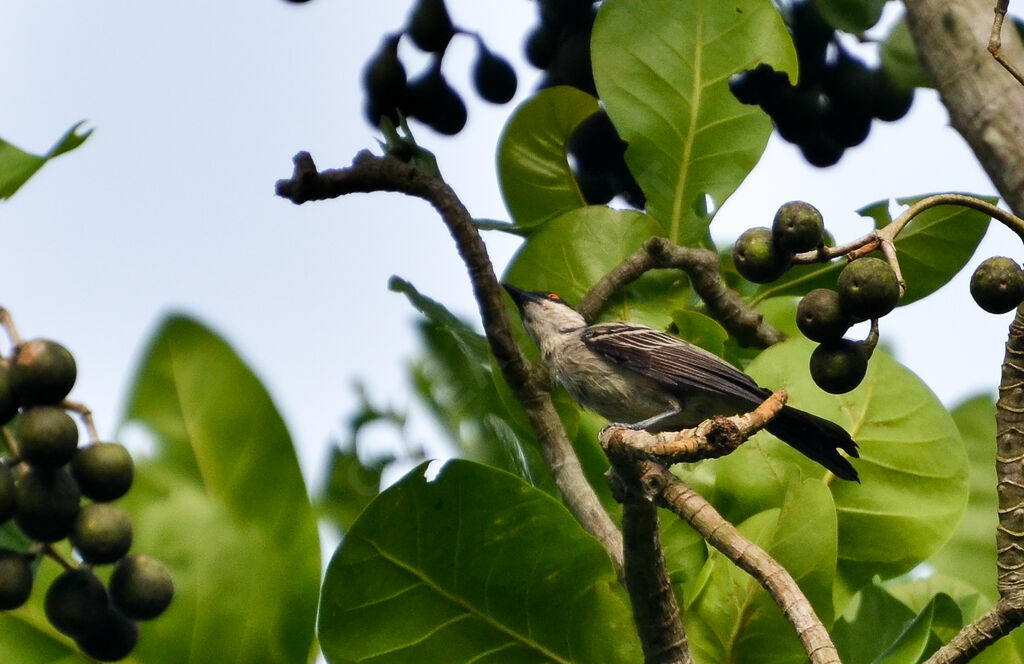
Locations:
(17, 166)
(899, 58)
(913, 465)
(731, 618)
(931, 250)
(472, 565)
(662, 69)
(533, 169)
(571, 252)
(850, 15)
(222, 502)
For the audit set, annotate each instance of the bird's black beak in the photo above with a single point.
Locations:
(521, 297)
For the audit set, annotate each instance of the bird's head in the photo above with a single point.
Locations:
(545, 315)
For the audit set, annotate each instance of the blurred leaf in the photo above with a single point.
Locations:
(533, 168)
(571, 252)
(732, 619)
(662, 69)
(17, 166)
(913, 465)
(970, 554)
(854, 16)
(873, 620)
(899, 58)
(700, 330)
(472, 342)
(471, 563)
(935, 245)
(918, 640)
(223, 503)
(351, 484)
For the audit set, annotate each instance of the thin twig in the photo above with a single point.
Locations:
(370, 173)
(7, 322)
(995, 45)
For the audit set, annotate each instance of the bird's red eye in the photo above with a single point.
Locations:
(554, 297)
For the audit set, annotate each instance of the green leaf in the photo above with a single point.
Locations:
(17, 166)
(700, 330)
(917, 640)
(533, 168)
(662, 69)
(222, 502)
(732, 619)
(873, 620)
(970, 554)
(935, 245)
(473, 564)
(351, 484)
(571, 252)
(854, 16)
(473, 342)
(899, 58)
(913, 465)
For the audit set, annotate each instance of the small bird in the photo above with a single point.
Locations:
(657, 382)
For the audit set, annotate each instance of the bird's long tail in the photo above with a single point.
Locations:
(816, 438)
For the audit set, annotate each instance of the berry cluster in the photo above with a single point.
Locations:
(838, 95)
(44, 477)
(997, 285)
(429, 98)
(867, 289)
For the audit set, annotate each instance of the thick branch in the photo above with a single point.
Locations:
(704, 270)
(985, 103)
(370, 173)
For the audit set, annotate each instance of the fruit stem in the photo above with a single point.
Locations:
(83, 411)
(12, 446)
(7, 322)
(48, 550)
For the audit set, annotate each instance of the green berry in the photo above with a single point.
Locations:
(76, 602)
(102, 533)
(103, 471)
(43, 372)
(820, 317)
(46, 503)
(48, 436)
(798, 226)
(997, 285)
(758, 258)
(141, 586)
(112, 638)
(15, 579)
(868, 288)
(839, 366)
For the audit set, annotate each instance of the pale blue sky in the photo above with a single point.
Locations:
(198, 109)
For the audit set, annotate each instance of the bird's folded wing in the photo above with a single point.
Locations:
(670, 361)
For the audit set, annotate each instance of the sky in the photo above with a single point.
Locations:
(198, 108)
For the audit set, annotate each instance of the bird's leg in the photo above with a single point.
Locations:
(648, 423)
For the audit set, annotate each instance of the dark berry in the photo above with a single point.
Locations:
(798, 226)
(431, 100)
(48, 436)
(493, 76)
(8, 399)
(103, 471)
(997, 285)
(820, 317)
(839, 366)
(43, 372)
(141, 586)
(15, 579)
(76, 602)
(7, 493)
(542, 45)
(384, 80)
(758, 258)
(102, 533)
(112, 638)
(430, 26)
(46, 502)
(868, 288)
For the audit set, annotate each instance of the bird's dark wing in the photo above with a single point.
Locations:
(676, 364)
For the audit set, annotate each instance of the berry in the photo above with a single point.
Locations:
(542, 45)
(798, 226)
(141, 586)
(43, 372)
(112, 638)
(493, 76)
(103, 471)
(7, 493)
(102, 533)
(868, 288)
(430, 99)
(384, 79)
(890, 101)
(46, 503)
(997, 285)
(820, 317)
(758, 258)
(48, 436)
(15, 579)
(839, 366)
(76, 602)
(430, 26)
(8, 399)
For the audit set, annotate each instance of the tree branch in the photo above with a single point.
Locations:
(370, 173)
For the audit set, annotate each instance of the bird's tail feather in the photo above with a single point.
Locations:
(816, 438)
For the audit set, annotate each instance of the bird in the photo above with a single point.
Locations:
(643, 378)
